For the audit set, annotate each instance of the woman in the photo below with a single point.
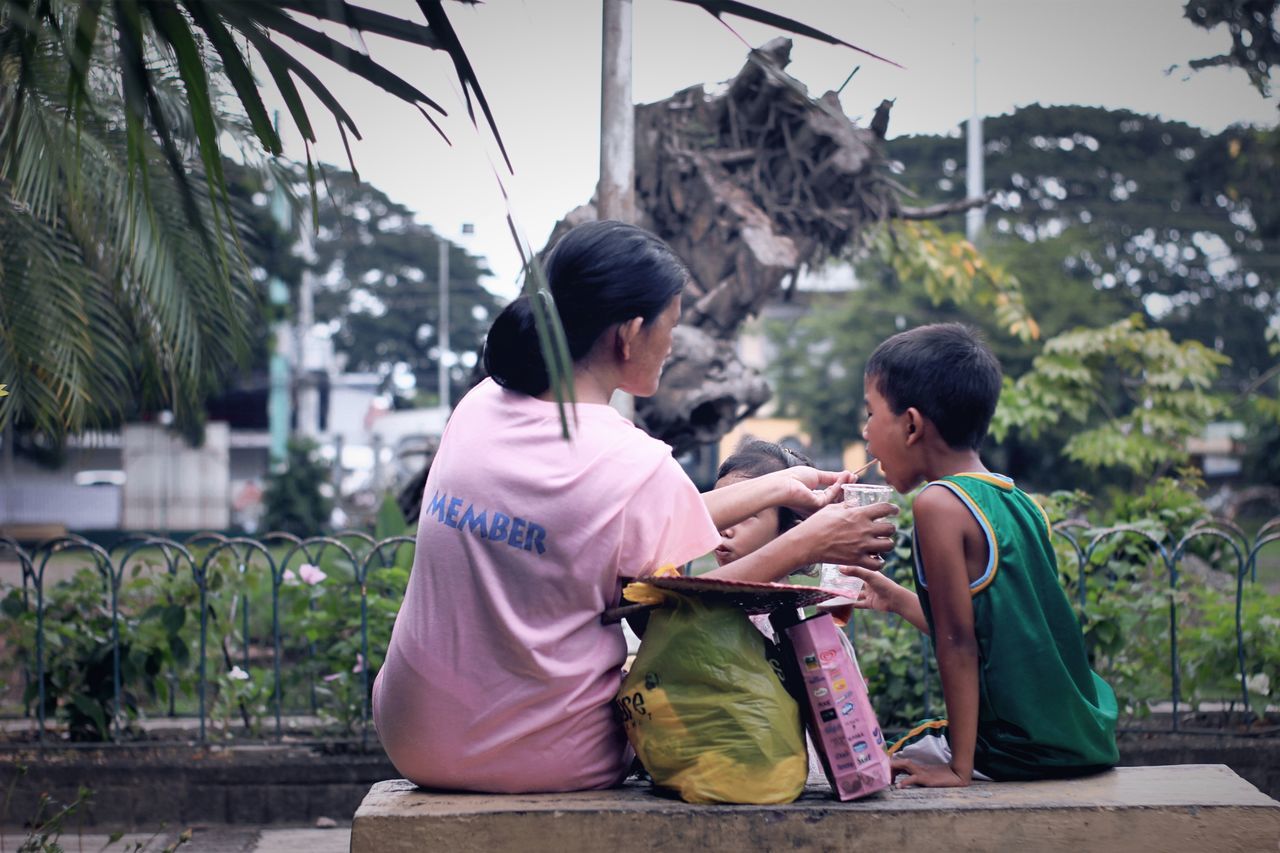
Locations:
(500, 675)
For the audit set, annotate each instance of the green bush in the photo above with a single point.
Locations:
(295, 497)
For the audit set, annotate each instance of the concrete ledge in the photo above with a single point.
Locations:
(1201, 807)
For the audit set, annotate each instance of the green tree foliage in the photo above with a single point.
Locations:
(295, 497)
(1159, 211)
(1134, 395)
(379, 287)
(1103, 214)
(908, 273)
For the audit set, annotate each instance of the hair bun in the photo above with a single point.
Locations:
(511, 352)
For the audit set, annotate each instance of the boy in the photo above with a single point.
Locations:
(1022, 702)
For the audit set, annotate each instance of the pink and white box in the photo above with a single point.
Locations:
(841, 722)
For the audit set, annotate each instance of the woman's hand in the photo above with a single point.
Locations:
(850, 535)
(810, 489)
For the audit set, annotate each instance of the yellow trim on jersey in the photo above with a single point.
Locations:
(1000, 482)
(988, 529)
(920, 729)
(1047, 526)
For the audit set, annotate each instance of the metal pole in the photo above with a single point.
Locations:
(976, 217)
(617, 196)
(617, 190)
(442, 367)
(308, 411)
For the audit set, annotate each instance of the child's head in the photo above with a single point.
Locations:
(946, 374)
(752, 458)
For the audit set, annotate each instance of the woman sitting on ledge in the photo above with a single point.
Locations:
(500, 675)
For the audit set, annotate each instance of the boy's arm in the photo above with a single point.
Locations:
(942, 523)
(887, 595)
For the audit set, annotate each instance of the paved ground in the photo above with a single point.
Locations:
(205, 839)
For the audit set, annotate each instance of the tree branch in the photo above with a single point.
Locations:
(946, 208)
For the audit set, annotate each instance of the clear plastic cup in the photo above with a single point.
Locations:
(858, 494)
(833, 579)
(866, 494)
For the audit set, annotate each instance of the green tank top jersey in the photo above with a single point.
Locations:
(1042, 711)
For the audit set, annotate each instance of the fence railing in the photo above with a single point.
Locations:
(132, 623)
(197, 564)
(1237, 556)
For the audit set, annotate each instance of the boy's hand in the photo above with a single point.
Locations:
(878, 592)
(886, 595)
(925, 775)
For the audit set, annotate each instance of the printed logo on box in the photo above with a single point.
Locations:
(879, 737)
(820, 692)
(865, 759)
(810, 661)
(839, 684)
(845, 697)
(847, 709)
(845, 765)
(828, 715)
(860, 746)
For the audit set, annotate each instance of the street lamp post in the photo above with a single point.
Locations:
(442, 365)
(443, 335)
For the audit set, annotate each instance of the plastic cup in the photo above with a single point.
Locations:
(866, 494)
(857, 494)
(833, 579)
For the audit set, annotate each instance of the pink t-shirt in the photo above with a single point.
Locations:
(500, 675)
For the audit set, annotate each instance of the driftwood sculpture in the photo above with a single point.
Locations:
(748, 185)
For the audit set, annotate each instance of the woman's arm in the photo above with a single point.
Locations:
(838, 533)
(790, 487)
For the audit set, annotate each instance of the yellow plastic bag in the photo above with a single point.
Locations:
(704, 710)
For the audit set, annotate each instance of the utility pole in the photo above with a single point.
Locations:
(308, 411)
(617, 190)
(278, 405)
(976, 217)
(441, 367)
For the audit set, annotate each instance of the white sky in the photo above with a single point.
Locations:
(539, 64)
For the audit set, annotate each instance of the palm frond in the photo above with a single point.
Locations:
(109, 296)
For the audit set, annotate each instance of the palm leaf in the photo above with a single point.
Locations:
(782, 22)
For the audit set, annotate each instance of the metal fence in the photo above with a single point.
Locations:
(279, 554)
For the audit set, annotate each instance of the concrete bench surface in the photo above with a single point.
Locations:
(1191, 807)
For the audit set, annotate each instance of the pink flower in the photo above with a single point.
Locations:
(359, 667)
(310, 574)
(333, 676)
(289, 578)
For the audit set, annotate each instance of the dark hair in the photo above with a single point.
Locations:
(753, 457)
(947, 373)
(599, 274)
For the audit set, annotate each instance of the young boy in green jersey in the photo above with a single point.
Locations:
(1022, 702)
